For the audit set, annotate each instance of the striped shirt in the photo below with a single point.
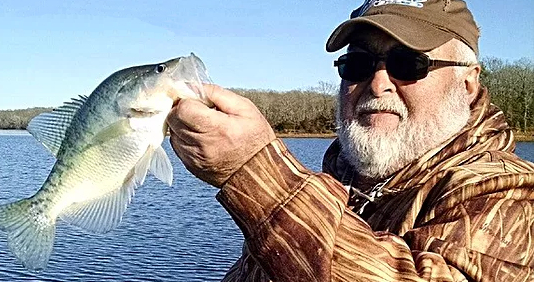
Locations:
(462, 212)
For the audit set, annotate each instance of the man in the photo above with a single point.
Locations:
(421, 184)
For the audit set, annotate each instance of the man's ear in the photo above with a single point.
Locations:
(472, 83)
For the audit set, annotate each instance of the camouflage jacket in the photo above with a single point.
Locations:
(462, 212)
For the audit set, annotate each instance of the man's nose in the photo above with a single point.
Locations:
(381, 83)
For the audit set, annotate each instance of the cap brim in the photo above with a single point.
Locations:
(412, 33)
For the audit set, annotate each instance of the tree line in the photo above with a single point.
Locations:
(312, 110)
(19, 119)
(511, 86)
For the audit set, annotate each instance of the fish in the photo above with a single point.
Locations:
(104, 145)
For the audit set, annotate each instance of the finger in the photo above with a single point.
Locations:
(185, 144)
(184, 151)
(183, 116)
(226, 100)
(183, 135)
(195, 115)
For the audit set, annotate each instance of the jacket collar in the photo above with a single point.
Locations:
(485, 130)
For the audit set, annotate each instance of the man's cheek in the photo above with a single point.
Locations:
(348, 107)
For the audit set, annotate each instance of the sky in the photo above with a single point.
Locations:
(53, 50)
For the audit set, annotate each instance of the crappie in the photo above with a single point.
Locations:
(104, 144)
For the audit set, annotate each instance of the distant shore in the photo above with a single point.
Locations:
(519, 136)
(524, 137)
(306, 135)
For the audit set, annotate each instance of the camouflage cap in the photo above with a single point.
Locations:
(419, 24)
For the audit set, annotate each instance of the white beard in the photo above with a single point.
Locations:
(377, 154)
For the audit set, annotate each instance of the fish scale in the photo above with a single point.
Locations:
(104, 144)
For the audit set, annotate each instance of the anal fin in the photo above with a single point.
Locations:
(102, 214)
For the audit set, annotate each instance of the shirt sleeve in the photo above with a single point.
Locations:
(287, 214)
(297, 228)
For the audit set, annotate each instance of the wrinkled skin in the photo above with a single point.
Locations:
(213, 143)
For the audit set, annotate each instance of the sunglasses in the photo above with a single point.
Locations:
(401, 63)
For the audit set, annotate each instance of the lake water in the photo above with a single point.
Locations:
(177, 233)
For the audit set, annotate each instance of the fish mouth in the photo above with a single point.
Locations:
(189, 69)
(189, 75)
(143, 112)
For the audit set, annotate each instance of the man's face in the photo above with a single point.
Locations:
(387, 123)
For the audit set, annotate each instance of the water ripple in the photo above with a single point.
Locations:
(178, 233)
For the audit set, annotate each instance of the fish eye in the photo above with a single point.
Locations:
(161, 68)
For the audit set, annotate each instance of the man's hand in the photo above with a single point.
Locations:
(213, 143)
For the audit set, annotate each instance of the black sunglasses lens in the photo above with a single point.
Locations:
(407, 65)
(356, 66)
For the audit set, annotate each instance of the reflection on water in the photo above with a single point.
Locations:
(177, 233)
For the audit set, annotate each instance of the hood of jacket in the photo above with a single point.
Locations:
(475, 154)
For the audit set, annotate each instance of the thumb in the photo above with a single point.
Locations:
(226, 100)
(195, 115)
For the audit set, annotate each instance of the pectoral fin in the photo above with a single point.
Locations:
(141, 168)
(157, 161)
(161, 166)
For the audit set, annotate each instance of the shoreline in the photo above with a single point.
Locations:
(306, 135)
(522, 137)
(518, 136)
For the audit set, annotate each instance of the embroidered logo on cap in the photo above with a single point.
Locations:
(375, 3)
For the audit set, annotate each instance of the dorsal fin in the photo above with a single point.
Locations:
(50, 128)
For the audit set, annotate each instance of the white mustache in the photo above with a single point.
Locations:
(381, 104)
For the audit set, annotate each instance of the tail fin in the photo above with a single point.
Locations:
(30, 234)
